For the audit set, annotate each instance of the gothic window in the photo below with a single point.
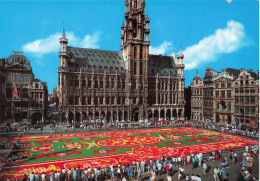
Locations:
(229, 106)
(9, 93)
(71, 82)
(107, 84)
(123, 84)
(236, 99)
(135, 52)
(134, 100)
(112, 100)
(229, 84)
(25, 78)
(96, 84)
(217, 94)
(89, 83)
(17, 78)
(83, 83)
(223, 94)
(71, 101)
(107, 100)
(101, 100)
(89, 100)
(119, 84)
(141, 53)
(76, 82)
(141, 68)
(112, 83)
(95, 101)
(134, 85)
(101, 84)
(252, 100)
(229, 94)
(135, 68)
(118, 100)
(76, 100)
(135, 4)
(83, 101)
(25, 93)
(252, 110)
(135, 26)
(9, 78)
(162, 98)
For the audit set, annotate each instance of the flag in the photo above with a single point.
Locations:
(15, 92)
(184, 102)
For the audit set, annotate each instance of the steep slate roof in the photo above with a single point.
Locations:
(161, 65)
(113, 60)
(17, 58)
(236, 72)
(96, 59)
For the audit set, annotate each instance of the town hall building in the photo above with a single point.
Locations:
(130, 84)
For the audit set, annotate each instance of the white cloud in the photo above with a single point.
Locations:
(51, 44)
(229, 1)
(226, 40)
(161, 49)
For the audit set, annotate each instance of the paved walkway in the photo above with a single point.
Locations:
(233, 170)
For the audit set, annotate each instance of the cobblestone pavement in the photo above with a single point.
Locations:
(233, 170)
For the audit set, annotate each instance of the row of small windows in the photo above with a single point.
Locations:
(21, 94)
(96, 101)
(242, 90)
(223, 85)
(248, 109)
(17, 78)
(228, 106)
(245, 99)
(223, 94)
(166, 85)
(97, 84)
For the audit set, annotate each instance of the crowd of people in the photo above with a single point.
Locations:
(165, 167)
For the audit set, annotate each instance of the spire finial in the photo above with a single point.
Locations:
(197, 72)
(63, 33)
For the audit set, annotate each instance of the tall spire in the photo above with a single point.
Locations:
(63, 34)
(180, 55)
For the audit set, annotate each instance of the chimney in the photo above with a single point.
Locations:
(241, 70)
(250, 70)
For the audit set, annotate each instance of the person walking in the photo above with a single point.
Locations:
(205, 166)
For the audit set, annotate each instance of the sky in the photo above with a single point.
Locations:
(211, 33)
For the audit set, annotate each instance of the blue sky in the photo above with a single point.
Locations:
(211, 33)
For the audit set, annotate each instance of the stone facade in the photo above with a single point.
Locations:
(234, 97)
(197, 98)
(2, 91)
(246, 98)
(223, 102)
(25, 97)
(127, 85)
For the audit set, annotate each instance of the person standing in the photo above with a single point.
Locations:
(216, 175)
(43, 176)
(205, 166)
(32, 177)
(52, 176)
(37, 176)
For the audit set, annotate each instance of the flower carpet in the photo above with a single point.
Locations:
(55, 152)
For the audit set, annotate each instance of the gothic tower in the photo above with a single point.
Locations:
(135, 50)
(63, 54)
